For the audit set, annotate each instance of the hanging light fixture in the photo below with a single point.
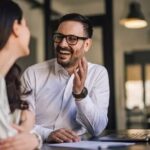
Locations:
(135, 19)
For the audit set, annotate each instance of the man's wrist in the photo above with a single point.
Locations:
(81, 95)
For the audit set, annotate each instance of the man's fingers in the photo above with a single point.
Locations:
(75, 136)
(77, 77)
(63, 135)
(57, 139)
(81, 70)
(84, 62)
(84, 65)
(69, 136)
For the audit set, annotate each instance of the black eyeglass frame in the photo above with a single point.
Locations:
(66, 37)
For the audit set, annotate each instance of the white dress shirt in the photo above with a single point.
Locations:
(53, 104)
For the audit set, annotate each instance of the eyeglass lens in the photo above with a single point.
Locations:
(71, 39)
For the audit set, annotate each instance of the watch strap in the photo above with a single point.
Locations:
(83, 94)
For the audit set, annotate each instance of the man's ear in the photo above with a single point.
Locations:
(15, 29)
(88, 44)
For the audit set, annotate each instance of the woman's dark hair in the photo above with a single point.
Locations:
(13, 86)
(88, 27)
(9, 12)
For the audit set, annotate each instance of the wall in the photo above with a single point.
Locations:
(126, 40)
(35, 22)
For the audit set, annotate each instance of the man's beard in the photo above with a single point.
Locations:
(71, 62)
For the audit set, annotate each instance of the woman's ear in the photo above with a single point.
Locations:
(88, 44)
(16, 28)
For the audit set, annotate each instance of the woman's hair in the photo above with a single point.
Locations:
(9, 12)
(13, 86)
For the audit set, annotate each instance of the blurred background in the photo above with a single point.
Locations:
(121, 43)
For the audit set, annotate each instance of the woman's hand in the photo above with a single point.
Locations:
(27, 120)
(21, 141)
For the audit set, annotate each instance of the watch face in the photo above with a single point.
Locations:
(83, 94)
(84, 91)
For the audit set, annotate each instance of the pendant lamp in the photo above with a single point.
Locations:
(135, 19)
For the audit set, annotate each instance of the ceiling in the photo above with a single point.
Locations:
(67, 6)
(73, 2)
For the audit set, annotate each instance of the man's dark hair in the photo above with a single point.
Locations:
(87, 25)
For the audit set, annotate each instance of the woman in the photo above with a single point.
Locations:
(18, 108)
(14, 41)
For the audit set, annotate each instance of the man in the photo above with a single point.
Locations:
(69, 95)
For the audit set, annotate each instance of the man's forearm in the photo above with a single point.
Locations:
(93, 118)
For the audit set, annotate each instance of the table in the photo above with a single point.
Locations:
(137, 146)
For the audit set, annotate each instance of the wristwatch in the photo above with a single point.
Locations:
(83, 94)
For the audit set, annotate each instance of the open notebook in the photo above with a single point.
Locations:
(132, 135)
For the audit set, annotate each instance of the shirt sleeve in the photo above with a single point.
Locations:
(42, 131)
(29, 85)
(92, 110)
(28, 88)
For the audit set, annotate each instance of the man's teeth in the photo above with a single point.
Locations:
(64, 52)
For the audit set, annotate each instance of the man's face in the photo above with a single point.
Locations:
(67, 54)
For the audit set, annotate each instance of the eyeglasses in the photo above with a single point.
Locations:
(71, 39)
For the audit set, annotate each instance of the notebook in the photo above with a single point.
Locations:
(131, 135)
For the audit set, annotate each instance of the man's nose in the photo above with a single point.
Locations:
(63, 42)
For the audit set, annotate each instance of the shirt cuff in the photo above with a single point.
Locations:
(84, 103)
(43, 132)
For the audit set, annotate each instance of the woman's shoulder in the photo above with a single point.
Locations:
(3, 94)
(2, 81)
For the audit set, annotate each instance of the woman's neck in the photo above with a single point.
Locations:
(7, 59)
